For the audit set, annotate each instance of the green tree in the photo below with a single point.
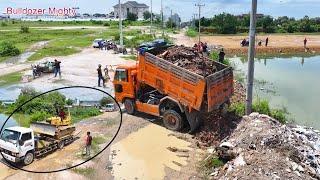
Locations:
(106, 100)
(225, 23)
(132, 16)
(266, 22)
(146, 15)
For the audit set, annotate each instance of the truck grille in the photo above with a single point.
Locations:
(6, 152)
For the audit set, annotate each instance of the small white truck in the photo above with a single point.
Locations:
(19, 144)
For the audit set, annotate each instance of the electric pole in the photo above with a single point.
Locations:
(251, 53)
(162, 19)
(120, 25)
(151, 18)
(199, 5)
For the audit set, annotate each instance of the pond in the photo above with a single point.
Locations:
(290, 82)
(11, 122)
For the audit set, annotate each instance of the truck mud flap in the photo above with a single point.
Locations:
(193, 119)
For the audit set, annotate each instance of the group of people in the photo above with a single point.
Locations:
(201, 47)
(107, 45)
(102, 77)
(245, 42)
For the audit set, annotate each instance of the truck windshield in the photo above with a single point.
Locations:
(121, 75)
(11, 136)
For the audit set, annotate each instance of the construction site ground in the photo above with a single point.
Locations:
(278, 43)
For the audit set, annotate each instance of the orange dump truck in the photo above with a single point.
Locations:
(160, 88)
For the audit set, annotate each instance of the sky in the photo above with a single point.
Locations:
(185, 8)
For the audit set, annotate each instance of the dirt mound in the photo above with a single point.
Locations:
(190, 59)
(217, 127)
(266, 149)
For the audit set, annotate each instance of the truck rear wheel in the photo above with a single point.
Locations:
(28, 159)
(172, 120)
(130, 106)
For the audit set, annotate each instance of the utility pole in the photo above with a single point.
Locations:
(151, 17)
(199, 5)
(162, 19)
(251, 53)
(120, 25)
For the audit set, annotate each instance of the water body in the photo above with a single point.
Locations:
(11, 122)
(291, 82)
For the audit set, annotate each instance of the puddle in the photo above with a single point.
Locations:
(144, 154)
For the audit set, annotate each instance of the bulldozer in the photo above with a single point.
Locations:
(56, 126)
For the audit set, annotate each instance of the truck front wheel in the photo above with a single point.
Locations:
(172, 120)
(28, 159)
(130, 106)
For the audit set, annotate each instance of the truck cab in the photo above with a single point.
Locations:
(17, 144)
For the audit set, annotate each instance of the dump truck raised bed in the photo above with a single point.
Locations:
(19, 144)
(158, 87)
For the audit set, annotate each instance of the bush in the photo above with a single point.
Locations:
(279, 115)
(238, 109)
(261, 106)
(132, 17)
(191, 33)
(39, 116)
(106, 24)
(80, 113)
(8, 49)
(24, 29)
(4, 24)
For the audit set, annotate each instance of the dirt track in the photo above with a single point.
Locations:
(278, 43)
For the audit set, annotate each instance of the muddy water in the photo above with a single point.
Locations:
(144, 154)
(290, 82)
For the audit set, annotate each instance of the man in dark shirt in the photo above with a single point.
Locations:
(57, 68)
(100, 76)
(267, 41)
(221, 56)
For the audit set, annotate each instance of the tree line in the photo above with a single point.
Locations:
(226, 23)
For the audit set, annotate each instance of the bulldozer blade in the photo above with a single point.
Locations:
(44, 128)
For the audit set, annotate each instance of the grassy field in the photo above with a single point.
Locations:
(11, 78)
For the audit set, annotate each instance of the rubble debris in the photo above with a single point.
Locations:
(189, 58)
(281, 151)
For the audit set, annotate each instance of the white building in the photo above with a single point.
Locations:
(131, 7)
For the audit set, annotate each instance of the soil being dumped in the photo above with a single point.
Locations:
(190, 59)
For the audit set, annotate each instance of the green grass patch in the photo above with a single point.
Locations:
(52, 51)
(11, 78)
(262, 107)
(22, 119)
(191, 33)
(81, 113)
(130, 57)
(87, 172)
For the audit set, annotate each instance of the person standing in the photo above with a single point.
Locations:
(106, 73)
(100, 76)
(267, 41)
(57, 68)
(305, 43)
(88, 144)
(221, 56)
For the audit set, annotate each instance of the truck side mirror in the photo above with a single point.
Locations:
(21, 143)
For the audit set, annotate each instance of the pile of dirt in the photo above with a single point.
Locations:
(217, 127)
(262, 148)
(190, 59)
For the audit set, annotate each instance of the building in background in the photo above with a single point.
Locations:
(131, 7)
(176, 19)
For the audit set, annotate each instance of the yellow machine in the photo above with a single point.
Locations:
(57, 121)
(55, 127)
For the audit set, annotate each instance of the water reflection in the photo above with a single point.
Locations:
(289, 85)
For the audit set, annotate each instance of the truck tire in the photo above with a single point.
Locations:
(28, 158)
(61, 144)
(130, 106)
(173, 120)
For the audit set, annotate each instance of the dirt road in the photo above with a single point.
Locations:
(278, 43)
